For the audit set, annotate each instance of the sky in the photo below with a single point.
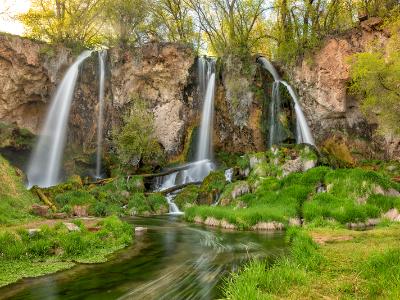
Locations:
(8, 9)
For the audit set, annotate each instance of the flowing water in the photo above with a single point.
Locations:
(172, 260)
(100, 123)
(198, 170)
(276, 130)
(45, 163)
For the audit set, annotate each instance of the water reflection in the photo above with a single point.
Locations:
(172, 260)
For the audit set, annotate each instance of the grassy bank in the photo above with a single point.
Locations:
(44, 249)
(50, 249)
(15, 199)
(345, 264)
(320, 196)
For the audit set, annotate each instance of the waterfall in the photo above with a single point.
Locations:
(45, 163)
(204, 150)
(303, 132)
(198, 170)
(102, 59)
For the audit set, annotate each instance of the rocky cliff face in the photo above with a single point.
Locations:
(238, 110)
(160, 74)
(322, 82)
(163, 75)
(28, 73)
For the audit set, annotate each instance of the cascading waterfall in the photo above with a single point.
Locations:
(45, 163)
(102, 58)
(198, 170)
(303, 132)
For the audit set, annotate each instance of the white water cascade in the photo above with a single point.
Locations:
(303, 132)
(196, 171)
(45, 163)
(100, 123)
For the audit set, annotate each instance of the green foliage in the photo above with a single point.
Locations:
(215, 181)
(375, 81)
(136, 141)
(158, 203)
(262, 280)
(128, 21)
(71, 22)
(343, 210)
(15, 199)
(78, 197)
(57, 244)
(187, 197)
(382, 272)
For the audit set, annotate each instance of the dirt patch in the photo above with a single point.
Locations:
(324, 239)
(89, 222)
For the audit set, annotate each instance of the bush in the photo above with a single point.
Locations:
(158, 203)
(71, 198)
(136, 141)
(187, 197)
(138, 204)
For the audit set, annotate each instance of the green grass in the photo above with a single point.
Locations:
(15, 199)
(59, 247)
(349, 265)
(351, 197)
(264, 280)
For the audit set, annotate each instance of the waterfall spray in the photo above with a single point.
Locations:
(198, 170)
(45, 163)
(303, 132)
(100, 123)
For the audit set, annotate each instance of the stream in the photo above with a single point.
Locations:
(172, 260)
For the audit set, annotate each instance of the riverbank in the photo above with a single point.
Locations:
(57, 246)
(326, 263)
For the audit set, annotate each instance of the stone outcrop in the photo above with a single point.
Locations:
(322, 85)
(29, 71)
(163, 75)
(238, 110)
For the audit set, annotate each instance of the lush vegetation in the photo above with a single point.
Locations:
(136, 143)
(320, 196)
(15, 200)
(345, 264)
(51, 248)
(284, 29)
(375, 76)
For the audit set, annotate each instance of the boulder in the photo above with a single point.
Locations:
(80, 210)
(40, 210)
(71, 226)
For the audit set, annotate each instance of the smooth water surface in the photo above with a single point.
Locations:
(172, 260)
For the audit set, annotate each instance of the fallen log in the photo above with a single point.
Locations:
(174, 188)
(45, 199)
(100, 182)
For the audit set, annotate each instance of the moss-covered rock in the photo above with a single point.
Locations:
(15, 199)
(187, 197)
(211, 187)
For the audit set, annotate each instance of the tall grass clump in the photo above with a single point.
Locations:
(382, 274)
(263, 280)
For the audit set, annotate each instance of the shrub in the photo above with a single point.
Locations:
(136, 141)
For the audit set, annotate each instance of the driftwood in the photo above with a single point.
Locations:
(101, 181)
(167, 172)
(45, 199)
(174, 188)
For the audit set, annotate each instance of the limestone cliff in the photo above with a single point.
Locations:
(322, 84)
(163, 76)
(29, 71)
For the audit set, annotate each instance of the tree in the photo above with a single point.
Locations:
(174, 22)
(136, 141)
(128, 20)
(70, 22)
(375, 80)
(230, 25)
